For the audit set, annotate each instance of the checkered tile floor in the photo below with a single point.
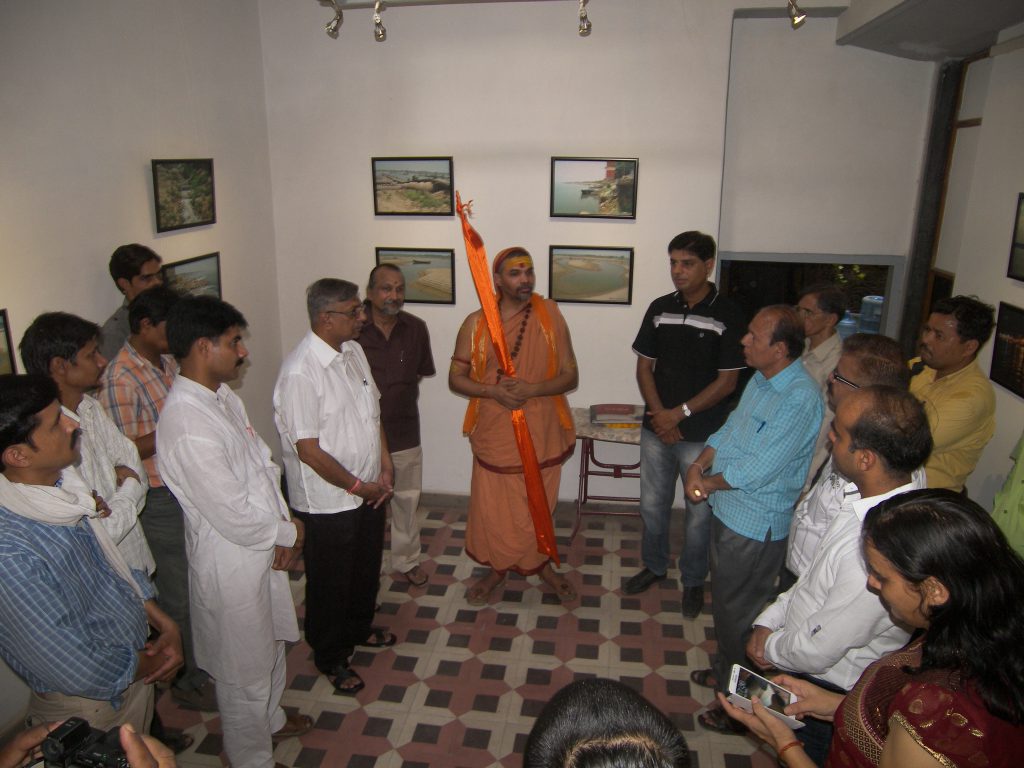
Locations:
(463, 685)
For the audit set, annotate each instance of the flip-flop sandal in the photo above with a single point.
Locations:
(345, 676)
(563, 589)
(379, 638)
(477, 595)
(715, 719)
(705, 678)
(416, 577)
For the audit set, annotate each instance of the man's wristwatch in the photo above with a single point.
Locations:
(686, 410)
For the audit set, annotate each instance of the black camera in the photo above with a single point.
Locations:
(76, 744)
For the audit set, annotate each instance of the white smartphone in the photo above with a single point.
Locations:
(745, 685)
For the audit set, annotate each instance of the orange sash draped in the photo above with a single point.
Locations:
(477, 256)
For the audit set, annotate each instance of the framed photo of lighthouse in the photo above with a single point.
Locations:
(429, 273)
(183, 194)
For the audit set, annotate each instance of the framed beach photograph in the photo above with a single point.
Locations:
(183, 193)
(1008, 350)
(590, 275)
(593, 187)
(413, 186)
(6, 346)
(429, 273)
(199, 276)
(1016, 268)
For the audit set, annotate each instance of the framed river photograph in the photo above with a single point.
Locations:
(6, 347)
(1008, 350)
(429, 273)
(593, 187)
(199, 276)
(1016, 268)
(589, 275)
(183, 194)
(413, 186)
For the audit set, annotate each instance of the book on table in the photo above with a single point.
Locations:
(606, 414)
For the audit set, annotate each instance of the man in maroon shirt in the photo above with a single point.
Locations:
(397, 345)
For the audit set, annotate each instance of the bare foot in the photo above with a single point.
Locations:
(481, 590)
(563, 589)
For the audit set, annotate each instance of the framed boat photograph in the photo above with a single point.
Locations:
(429, 273)
(591, 275)
(183, 194)
(1008, 350)
(1016, 268)
(6, 346)
(593, 187)
(199, 276)
(413, 186)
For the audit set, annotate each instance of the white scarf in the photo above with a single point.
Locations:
(65, 505)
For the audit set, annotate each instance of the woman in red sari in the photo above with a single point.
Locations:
(954, 696)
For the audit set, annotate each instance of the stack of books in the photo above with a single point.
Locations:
(616, 415)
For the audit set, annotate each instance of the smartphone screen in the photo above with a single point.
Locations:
(750, 685)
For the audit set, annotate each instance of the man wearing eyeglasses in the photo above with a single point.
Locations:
(821, 307)
(340, 474)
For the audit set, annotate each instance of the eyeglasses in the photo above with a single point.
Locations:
(352, 314)
(843, 379)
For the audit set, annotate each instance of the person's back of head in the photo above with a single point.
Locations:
(894, 426)
(153, 304)
(941, 535)
(199, 317)
(879, 360)
(599, 723)
(54, 334)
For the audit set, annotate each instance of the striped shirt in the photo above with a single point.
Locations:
(763, 451)
(68, 622)
(133, 391)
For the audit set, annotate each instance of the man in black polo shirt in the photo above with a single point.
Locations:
(397, 346)
(688, 361)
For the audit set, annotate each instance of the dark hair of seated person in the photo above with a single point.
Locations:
(598, 723)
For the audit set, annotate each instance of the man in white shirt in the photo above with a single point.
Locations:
(66, 349)
(867, 359)
(239, 534)
(340, 475)
(828, 626)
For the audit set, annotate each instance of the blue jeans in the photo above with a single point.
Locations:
(660, 465)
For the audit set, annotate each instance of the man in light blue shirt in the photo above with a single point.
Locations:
(751, 471)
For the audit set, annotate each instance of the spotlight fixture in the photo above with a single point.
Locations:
(379, 33)
(585, 25)
(331, 27)
(797, 15)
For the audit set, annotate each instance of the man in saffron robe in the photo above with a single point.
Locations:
(500, 532)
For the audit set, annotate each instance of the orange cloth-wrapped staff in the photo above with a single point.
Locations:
(539, 512)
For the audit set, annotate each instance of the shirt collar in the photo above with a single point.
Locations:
(707, 301)
(782, 379)
(324, 353)
(861, 507)
(822, 350)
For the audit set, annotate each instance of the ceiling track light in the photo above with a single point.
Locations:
(332, 26)
(379, 33)
(585, 25)
(797, 15)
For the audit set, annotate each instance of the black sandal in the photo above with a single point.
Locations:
(344, 676)
(379, 638)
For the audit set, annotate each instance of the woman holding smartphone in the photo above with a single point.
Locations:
(954, 696)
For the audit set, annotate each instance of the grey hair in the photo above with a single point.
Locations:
(326, 291)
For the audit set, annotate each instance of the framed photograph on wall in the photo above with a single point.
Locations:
(590, 275)
(183, 194)
(593, 187)
(6, 346)
(199, 276)
(1008, 350)
(1016, 268)
(429, 273)
(413, 186)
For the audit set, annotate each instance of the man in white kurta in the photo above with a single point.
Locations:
(239, 535)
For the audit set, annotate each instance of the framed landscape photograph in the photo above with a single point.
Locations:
(6, 347)
(593, 187)
(413, 186)
(1016, 268)
(1008, 350)
(429, 273)
(183, 193)
(199, 276)
(590, 275)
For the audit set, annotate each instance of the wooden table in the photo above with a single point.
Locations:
(590, 466)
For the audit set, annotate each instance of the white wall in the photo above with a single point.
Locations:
(984, 228)
(90, 93)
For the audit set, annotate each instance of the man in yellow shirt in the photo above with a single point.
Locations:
(957, 396)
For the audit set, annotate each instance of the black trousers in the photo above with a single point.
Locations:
(342, 554)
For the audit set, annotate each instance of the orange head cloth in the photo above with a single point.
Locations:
(476, 254)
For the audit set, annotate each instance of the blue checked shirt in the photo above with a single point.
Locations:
(68, 622)
(763, 451)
